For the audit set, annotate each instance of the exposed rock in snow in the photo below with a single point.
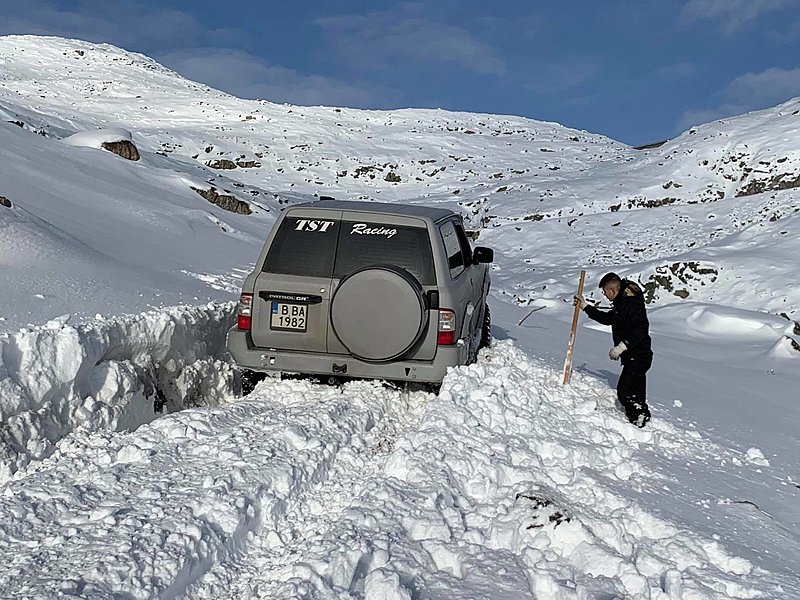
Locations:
(225, 201)
(124, 148)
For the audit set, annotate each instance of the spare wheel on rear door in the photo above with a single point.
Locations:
(379, 313)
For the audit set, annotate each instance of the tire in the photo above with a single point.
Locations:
(250, 379)
(486, 329)
(378, 313)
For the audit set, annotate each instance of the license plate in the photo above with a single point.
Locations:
(289, 317)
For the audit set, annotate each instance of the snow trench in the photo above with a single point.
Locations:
(113, 374)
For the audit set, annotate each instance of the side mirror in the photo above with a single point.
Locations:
(482, 254)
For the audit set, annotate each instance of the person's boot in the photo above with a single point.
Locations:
(641, 414)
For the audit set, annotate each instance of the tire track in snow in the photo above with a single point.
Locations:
(147, 513)
(281, 543)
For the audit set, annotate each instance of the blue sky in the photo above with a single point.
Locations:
(636, 70)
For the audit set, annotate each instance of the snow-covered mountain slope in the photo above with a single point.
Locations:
(508, 484)
(544, 195)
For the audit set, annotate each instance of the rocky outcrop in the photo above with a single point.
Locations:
(225, 201)
(247, 164)
(124, 148)
(221, 163)
(5, 202)
(678, 279)
(781, 181)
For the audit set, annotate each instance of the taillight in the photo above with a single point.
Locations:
(243, 312)
(447, 328)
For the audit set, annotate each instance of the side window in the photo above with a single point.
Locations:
(452, 247)
(463, 241)
(303, 247)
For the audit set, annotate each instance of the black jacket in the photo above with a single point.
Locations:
(628, 320)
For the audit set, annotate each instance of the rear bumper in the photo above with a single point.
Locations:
(246, 355)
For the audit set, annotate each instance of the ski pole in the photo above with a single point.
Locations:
(570, 348)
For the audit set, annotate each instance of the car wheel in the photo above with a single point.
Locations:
(249, 380)
(378, 313)
(486, 329)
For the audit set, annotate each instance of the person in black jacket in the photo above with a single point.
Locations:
(630, 330)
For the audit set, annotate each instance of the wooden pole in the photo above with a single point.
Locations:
(575, 315)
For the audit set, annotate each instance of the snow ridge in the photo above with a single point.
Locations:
(110, 374)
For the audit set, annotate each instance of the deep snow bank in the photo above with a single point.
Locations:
(513, 485)
(107, 375)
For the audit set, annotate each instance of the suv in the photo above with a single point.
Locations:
(363, 289)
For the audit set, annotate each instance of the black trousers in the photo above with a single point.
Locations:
(632, 384)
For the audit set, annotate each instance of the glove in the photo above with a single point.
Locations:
(580, 300)
(617, 351)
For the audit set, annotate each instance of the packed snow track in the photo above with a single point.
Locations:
(146, 513)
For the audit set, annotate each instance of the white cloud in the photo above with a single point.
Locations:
(732, 14)
(249, 76)
(699, 116)
(747, 92)
(771, 86)
(373, 40)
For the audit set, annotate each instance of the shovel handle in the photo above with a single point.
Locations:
(573, 331)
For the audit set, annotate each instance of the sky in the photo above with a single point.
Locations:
(638, 71)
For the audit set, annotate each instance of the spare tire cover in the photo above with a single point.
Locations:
(378, 312)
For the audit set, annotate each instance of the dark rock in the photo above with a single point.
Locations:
(392, 177)
(651, 145)
(678, 279)
(5, 202)
(248, 164)
(123, 148)
(225, 202)
(782, 181)
(534, 217)
(221, 163)
(642, 202)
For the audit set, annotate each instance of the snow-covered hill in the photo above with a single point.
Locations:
(116, 276)
(676, 210)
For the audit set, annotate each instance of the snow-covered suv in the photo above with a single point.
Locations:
(363, 289)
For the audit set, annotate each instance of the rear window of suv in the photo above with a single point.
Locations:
(364, 243)
(304, 247)
(330, 248)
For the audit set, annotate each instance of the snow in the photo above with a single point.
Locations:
(58, 378)
(96, 138)
(130, 465)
